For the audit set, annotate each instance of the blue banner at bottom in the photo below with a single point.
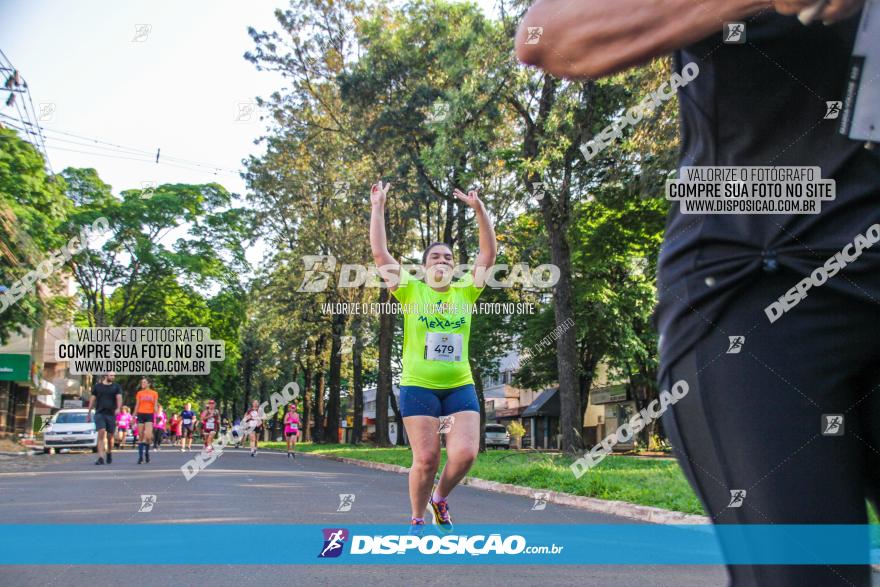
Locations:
(630, 544)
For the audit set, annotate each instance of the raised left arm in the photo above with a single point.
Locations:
(488, 242)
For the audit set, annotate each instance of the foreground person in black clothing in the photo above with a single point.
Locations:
(106, 400)
(756, 419)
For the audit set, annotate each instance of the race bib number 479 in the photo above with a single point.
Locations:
(443, 346)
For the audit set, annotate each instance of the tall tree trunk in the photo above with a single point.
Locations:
(318, 405)
(585, 377)
(307, 400)
(556, 212)
(248, 369)
(263, 397)
(331, 433)
(643, 389)
(397, 418)
(319, 389)
(450, 221)
(38, 346)
(357, 368)
(461, 241)
(383, 382)
(571, 414)
(478, 385)
(639, 396)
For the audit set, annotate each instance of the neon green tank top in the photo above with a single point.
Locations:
(436, 332)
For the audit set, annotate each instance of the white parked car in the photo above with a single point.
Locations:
(69, 429)
(497, 436)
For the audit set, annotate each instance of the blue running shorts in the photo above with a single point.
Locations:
(422, 401)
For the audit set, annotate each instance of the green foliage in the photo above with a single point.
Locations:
(427, 95)
(32, 210)
(175, 405)
(141, 274)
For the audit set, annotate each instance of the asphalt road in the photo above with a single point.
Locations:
(271, 488)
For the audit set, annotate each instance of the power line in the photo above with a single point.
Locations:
(39, 131)
(150, 153)
(119, 151)
(96, 141)
(112, 156)
(98, 144)
(117, 156)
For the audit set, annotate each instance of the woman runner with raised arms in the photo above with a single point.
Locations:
(436, 381)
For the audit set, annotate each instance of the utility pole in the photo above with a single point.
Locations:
(19, 112)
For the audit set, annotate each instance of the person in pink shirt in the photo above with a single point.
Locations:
(291, 429)
(159, 426)
(123, 423)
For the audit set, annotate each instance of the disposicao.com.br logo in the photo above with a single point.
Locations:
(334, 541)
(320, 271)
(451, 544)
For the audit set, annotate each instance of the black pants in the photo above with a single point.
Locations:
(753, 420)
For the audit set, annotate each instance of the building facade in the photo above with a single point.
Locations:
(608, 406)
(369, 418)
(32, 382)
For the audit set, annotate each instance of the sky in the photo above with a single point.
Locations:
(143, 75)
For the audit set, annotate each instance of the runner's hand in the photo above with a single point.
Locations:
(835, 9)
(379, 193)
(471, 198)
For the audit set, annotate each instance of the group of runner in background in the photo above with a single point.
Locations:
(149, 424)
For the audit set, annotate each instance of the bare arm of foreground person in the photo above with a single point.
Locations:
(594, 38)
(91, 406)
(388, 267)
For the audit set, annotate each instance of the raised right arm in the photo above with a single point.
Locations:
(388, 267)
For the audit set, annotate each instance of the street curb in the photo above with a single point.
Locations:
(642, 513)
(624, 509)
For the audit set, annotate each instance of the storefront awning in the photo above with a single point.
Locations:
(15, 367)
(546, 404)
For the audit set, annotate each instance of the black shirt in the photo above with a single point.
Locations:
(105, 397)
(764, 103)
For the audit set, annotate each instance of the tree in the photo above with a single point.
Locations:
(33, 208)
(137, 253)
(428, 96)
(427, 89)
(139, 276)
